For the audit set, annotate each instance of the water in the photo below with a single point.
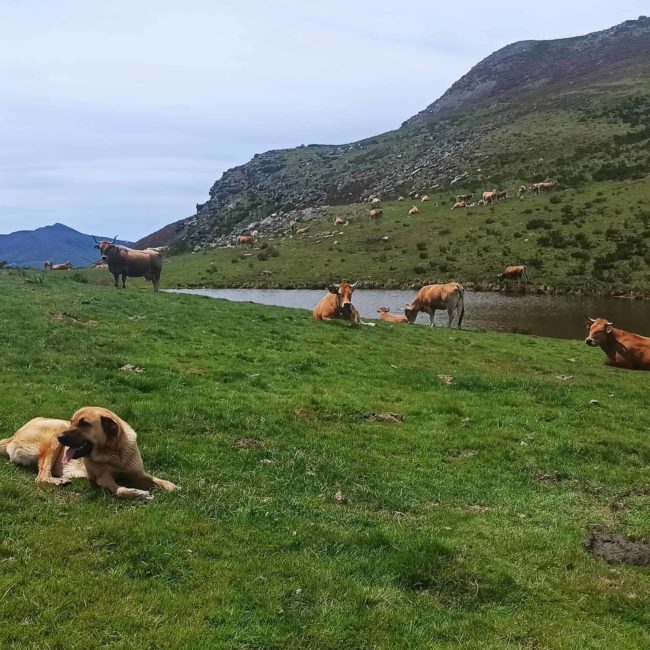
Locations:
(554, 316)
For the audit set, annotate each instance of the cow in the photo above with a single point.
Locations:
(623, 349)
(302, 231)
(463, 197)
(450, 296)
(293, 225)
(163, 250)
(376, 213)
(489, 197)
(338, 221)
(524, 189)
(425, 198)
(546, 186)
(57, 267)
(338, 304)
(385, 315)
(413, 210)
(400, 198)
(459, 204)
(131, 263)
(518, 272)
(245, 240)
(500, 196)
(375, 200)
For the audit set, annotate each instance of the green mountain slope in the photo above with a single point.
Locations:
(575, 109)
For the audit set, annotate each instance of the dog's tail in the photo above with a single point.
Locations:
(3, 447)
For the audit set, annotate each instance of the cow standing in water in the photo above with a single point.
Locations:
(623, 349)
(518, 272)
(128, 262)
(450, 296)
(338, 304)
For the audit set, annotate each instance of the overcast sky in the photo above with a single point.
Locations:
(117, 117)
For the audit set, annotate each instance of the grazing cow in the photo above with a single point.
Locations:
(57, 267)
(413, 210)
(500, 196)
(374, 200)
(128, 262)
(490, 197)
(425, 198)
(376, 213)
(385, 315)
(546, 186)
(623, 349)
(518, 272)
(459, 204)
(338, 221)
(245, 240)
(338, 304)
(463, 197)
(302, 231)
(450, 296)
(400, 198)
(524, 189)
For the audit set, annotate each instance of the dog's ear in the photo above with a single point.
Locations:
(111, 428)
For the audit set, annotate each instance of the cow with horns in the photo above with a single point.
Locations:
(338, 304)
(128, 262)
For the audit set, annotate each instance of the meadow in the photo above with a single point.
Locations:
(592, 239)
(302, 523)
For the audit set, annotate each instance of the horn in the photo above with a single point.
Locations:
(95, 238)
(354, 285)
(610, 324)
(114, 238)
(591, 320)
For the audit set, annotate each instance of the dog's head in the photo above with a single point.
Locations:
(91, 428)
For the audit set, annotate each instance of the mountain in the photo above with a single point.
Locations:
(57, 243)
(575, 109)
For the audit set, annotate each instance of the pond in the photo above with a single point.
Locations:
(542, 315)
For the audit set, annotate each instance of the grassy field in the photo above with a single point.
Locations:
(460, 527)
(593, 239)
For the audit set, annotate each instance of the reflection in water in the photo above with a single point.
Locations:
(554, 316)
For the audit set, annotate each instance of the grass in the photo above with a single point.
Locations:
(463, 526)
(592, 239)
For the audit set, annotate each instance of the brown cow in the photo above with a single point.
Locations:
(425, 198)
(338, 221)
(375, 200)
(489, 197)
(459, 204)
(302, 231)
(385, 315)
(245, 240)
(400, 198)
(376, 213)
(519, 272)
(450, 296)
(338, 304)
(500, 196)
(57, 267)
(546, 186)
(413, 210)
(623, 349)
(131, 263)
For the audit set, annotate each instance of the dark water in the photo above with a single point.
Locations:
(554, 316)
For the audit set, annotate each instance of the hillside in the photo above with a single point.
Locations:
(462, 526)
(57, 243)
(574, 109)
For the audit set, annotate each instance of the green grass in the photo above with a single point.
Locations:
(463, 526)
(593, 239)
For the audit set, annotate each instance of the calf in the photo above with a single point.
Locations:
(385, 315)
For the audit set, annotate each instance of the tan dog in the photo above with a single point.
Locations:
(36, 445)
(109, 448)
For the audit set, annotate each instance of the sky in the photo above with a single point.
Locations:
(117, 117)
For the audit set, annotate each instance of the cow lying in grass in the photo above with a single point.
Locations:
(623, 349)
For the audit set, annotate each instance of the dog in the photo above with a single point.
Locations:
(110, 453)
(36, 444)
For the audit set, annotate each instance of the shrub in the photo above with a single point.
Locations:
(536, 224)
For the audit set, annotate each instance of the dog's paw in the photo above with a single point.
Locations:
(54, 481)
(168, 485)
(133, 493)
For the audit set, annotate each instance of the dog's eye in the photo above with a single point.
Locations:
(83, 423)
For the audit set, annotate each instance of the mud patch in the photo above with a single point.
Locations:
(617, 549)
(383, 417)
(65, 317)
(248, 443)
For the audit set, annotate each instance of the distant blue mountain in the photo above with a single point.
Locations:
(57, 244)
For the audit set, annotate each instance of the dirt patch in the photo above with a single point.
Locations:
(65, 317)
(129, 367)
(383, 417)
(616, 548)
(248, 443)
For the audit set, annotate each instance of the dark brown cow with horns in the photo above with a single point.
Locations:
(125, 261)
(338, 304)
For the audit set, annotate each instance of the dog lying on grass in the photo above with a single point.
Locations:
(96, 441)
